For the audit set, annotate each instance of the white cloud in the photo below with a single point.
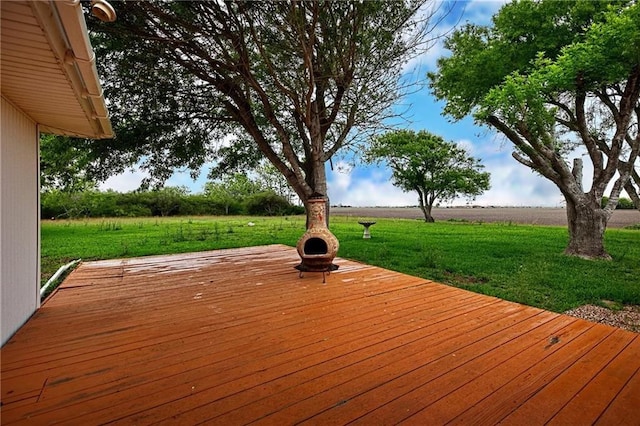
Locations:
(131, 180)
(341, 178)
(367, 193)
(468, 146)
(512, 184)
(124, 182)
(373, 190)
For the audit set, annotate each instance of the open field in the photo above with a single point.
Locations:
(513, 261)
(525, 215)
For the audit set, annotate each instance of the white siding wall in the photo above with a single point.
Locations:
(19, 219)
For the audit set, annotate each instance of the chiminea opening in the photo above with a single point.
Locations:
(315, 245)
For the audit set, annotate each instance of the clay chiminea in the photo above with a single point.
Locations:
(318, 246)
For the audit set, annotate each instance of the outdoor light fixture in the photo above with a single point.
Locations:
(102, 10)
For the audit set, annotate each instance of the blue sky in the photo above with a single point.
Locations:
(512, 184)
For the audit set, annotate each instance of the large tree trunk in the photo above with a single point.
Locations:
(316, 180)
(425, 206)
(426, 210)
(587, 222)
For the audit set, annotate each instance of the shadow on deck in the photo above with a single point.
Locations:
(235, 336)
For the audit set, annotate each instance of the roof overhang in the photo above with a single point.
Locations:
(48, 68)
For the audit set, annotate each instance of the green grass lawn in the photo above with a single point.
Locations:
(521, 263)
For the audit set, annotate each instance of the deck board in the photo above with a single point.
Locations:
(236, 336)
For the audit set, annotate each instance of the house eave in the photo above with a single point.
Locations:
(49, 70)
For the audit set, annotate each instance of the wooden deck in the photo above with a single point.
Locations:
(235, 336)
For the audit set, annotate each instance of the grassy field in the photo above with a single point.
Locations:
(521, 263)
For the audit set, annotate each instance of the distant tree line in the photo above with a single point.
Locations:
(235, 196)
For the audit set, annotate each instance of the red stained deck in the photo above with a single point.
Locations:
(235, 336)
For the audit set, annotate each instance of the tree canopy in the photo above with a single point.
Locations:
(556, 78)
(237, 81)
(64, 165)
(233, 189)
(426, 163)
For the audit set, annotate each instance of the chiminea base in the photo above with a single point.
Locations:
(325, 269)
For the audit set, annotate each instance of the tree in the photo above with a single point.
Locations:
(63, 166)
(167, 200)
(271, 179)
(553, 77)
(427, 164)
(232, 190)
(267, 203)
(293, 82)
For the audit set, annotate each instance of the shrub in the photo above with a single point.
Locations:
(267, 203)
(625, 204)
(166, 202)
(52, 205)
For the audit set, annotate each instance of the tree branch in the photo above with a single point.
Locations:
(539, 162)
